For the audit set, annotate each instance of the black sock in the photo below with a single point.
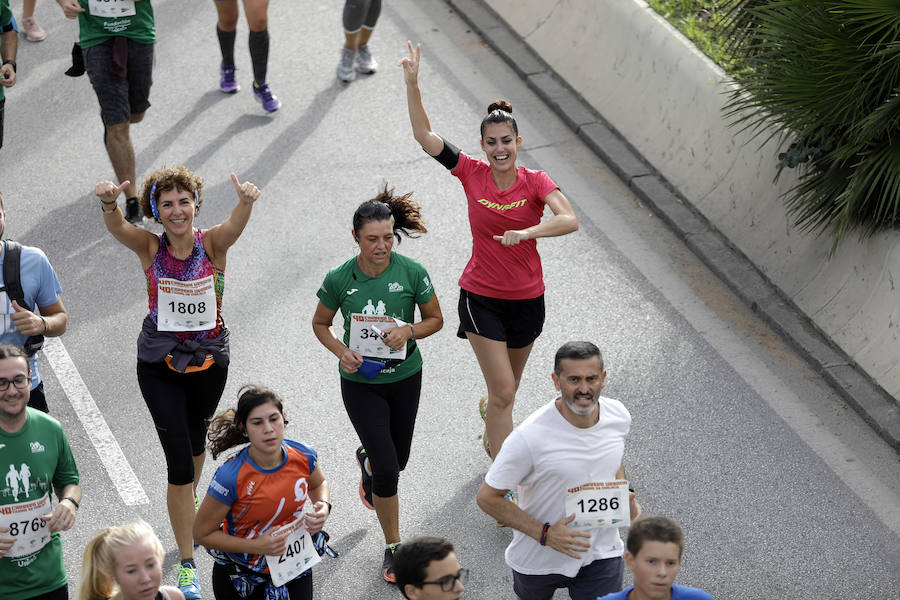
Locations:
(259, 54)
(188, 562)
(226, 45)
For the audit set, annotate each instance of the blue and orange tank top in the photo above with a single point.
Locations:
(196, 266)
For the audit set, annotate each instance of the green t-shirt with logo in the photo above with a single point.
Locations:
(33, 461)
(6, 22)
(97, 29)
(394, 293)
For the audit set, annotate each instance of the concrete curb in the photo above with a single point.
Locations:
(871, 401)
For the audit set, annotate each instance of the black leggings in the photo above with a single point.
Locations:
(298, 589)
(384, 416)
(181, 405)
(60, 593)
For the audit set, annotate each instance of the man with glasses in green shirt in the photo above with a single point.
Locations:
(39, 460)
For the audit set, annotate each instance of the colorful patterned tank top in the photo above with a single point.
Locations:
(197, 266)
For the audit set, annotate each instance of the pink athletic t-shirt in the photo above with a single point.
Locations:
(508, 273)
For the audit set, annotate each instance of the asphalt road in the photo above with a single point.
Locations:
(781, 489)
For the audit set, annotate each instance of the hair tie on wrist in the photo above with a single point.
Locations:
(543, 540)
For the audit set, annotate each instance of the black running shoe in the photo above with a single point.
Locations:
(365, 480)
(387, 566)
(133, 212)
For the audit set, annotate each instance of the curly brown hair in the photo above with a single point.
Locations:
(169, 178)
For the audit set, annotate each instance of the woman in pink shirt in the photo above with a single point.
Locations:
(501, 304)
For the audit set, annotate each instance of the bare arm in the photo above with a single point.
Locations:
(138, 240)
(319, 495)
(322, 319)
(633, 505)
(221, 237)
(71, 8)
(29, 323)
(9, 45)
(432, 322)
(62, 517)
(418, 118)
(562, 222)
(559, 537)
(208, 532)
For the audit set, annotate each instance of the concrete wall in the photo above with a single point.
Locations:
(665, 97)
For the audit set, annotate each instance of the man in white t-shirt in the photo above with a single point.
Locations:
(578, 438)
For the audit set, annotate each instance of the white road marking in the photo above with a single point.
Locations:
(91, 418)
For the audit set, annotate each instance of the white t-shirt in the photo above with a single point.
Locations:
(543, 457)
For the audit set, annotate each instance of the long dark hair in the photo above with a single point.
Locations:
(406, 212)
(229, 428)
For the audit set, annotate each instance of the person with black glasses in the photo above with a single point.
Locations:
(380, 366)
(39, 490)
(427, 569)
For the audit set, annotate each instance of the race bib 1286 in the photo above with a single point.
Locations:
(599, 504)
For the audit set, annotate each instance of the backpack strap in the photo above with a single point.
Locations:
(12, 284)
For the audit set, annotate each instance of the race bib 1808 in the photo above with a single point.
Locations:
(599, 504)
(299, 555)
(186, 305)
(111, 8)
(26, 525)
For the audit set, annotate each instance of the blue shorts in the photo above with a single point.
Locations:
(601, 577)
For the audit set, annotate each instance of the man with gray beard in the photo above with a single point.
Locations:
(566, 459)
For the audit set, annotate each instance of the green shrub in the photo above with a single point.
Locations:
(826, 76)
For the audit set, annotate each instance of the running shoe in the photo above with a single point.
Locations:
(482, 410)
(33, 31)
(365, 480)
(387, 565)
(133, 212)
(228, 83)
(188, 581)
(364, 61)
(345, 67)
(263, 93)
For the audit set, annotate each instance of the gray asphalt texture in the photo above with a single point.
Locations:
(782, 490)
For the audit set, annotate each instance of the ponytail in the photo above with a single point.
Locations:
(225, 433)
(405, 211)
(228, 428)
(99, 563)
(95, 582)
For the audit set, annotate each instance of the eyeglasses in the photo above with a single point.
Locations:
(448, 582)
(20, 381)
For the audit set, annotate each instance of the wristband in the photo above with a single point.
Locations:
(44, 321)
(113, 201)
(107, 212)
(11, 62)
(329, 506)
(73, 501)
(543, 540)
(412, 330)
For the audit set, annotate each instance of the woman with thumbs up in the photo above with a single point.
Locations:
(183, 350)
